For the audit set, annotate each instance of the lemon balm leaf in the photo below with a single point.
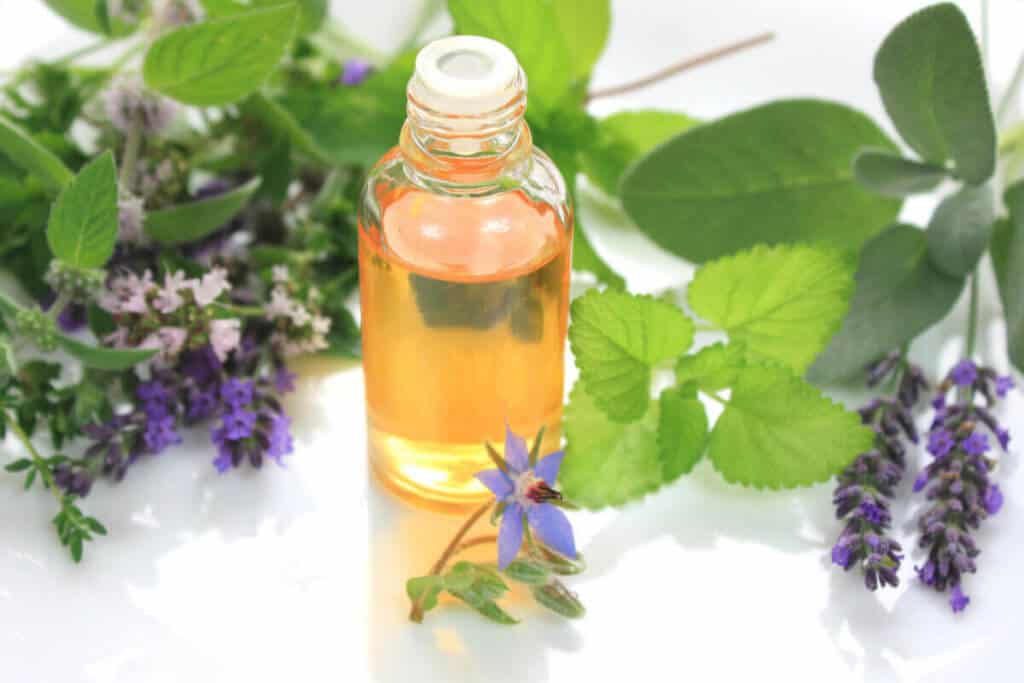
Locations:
(782, 303)
(682, 431)
(777, 431)
(617, 339)
(714, 367)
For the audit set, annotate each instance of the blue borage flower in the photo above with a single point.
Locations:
(525, 496)
(957, 481)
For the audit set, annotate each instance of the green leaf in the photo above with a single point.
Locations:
(894, 176)
(87, 15)
(617, 339)
(777, 431)
(478, 587)
(773, 174)
(195, 220)
(714, 367)
(608, 463)
(425, 590)
(24, 151)
(525, 571)
(930, 75)
(1012, 281)
(312, 13)
(682, 431)
(960, 229)
(584, 26)
(558, 599)
(585, 258)
(221, 61)
(1002, 236)
(353, 125)
(623, 138)
(782, 303)
(103, 358)
(899, 295)
(526, 28)
(82, 229)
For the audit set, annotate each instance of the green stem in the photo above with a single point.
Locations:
(38, 460)
(83, 52)
(63, 299)
(416, 614)
(972, 316)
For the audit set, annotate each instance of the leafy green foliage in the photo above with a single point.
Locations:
(960, 229)
(83, 224)
(584, 26)
(714, 367)
(89, 15)
(1012, 274)
(104, 358)
(894, 176)
(777, 431)
(682, 431)
(20, 147)
(624, 137)
(608, 462)
(617, 339)
(475, 584)
(899, 294)
(930, 75)
(773, 174)
(782, 303)
(193, 221)
(220, 61)
(312, 13)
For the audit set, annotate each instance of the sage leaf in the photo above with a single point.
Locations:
(772, 174)
(25, 152)
(193, 221)
(960, 229)
(103, 358)
(682, 431)
(83, 224)
(777, 431)
(894, 176)
(221, 61)
(617, 339)
(1012, 280)
(608, 462)
(623, 138)
(930, 75)
(782, 303)
(899, 294)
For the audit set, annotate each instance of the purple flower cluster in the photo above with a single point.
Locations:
(253, 426)
(957, 481)
(865, 487)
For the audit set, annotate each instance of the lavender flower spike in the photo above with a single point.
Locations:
(957, 481)
(526, 493)
(865, 487)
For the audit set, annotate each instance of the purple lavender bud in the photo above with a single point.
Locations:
(993, 499)
(921, 481)
(975, 444)
(957, 600)
(1003, 385)
(964, 373)
(355, 72)
(940, 442)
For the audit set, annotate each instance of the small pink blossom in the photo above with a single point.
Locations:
(127, 294)
(212, 286)
(169, 340)
(280, 305)
(169, 300)
(225, 334)
(300, 316)
(321, 325)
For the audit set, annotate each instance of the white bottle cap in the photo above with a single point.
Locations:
(466, 76)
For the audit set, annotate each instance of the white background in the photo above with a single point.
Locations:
(298, 574)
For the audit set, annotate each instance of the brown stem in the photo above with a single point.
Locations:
(680, 67)
(473, 542)
(416, 614)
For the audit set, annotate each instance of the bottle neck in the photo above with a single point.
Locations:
(466, 150)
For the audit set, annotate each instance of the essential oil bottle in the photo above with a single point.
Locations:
(464, 263)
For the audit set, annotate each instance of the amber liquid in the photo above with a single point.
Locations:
(464, 314)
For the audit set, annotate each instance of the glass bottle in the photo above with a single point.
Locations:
(464, 263)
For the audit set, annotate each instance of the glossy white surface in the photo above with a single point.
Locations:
(298, 574)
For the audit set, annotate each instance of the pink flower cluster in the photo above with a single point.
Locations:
(171, 317)
(299, 327)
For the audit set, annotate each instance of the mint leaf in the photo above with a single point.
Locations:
(623, 138)
(275, 116)
(526, 28)
(930, 75)
(83, 224)
(25, 152)
(714, 367)
(617, 339)
(782, 303)
(777, 431)
(102, 357)
(960, 229)
(195, 220)
(87, 15)
(772, 174)
(890, 174)
(1013, 274)
(221, 61)
(312, 13)
(682, 431)
(584, 26)
(899, 295)
(607, 462)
